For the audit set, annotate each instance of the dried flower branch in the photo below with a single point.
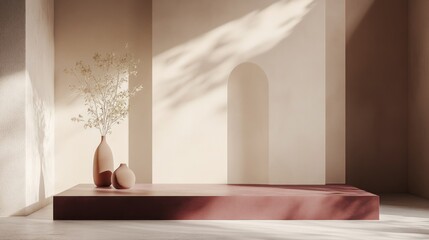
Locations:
(104, 87)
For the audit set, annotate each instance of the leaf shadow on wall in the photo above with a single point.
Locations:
(39, 154)
(202, 65)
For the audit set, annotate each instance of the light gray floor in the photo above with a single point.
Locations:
(402, 217)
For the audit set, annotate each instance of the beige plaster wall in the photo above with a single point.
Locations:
(335, 91)
(82, 28)
(376, 94)
(196, 45)
(39, 52)
(140, 115)
(418, 122)
(12, 107)
(26, 96)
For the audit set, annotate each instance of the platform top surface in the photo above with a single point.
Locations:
(215, 190)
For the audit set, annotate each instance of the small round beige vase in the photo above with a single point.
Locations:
(123, 177)
(103, 164)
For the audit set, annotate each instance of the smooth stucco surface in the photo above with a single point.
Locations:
(335, 91)
(40, 121)
(26, 96)
(376, 94)
(12, 98)
(418, 89)
(196, 45)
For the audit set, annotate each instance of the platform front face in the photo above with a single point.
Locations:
(216, 202)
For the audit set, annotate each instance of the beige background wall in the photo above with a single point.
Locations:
(196, 45)
(26, 94)
(376, 94)
(418, 101)
(82, 28)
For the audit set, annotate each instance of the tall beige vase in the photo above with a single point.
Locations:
(103, 164)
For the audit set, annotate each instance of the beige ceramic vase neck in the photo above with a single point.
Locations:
(103, 164)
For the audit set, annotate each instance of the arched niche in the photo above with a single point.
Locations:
(248, 125)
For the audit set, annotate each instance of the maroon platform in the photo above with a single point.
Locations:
(216, 202)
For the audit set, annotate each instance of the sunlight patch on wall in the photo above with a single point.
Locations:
(39, 146)
(200, 66)
(12, 148)
(190, 84)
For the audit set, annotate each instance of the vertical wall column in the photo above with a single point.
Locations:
(40, 121)
(12, 107)
(376, 94)
(140, 114)
(335, 91)
(26, 94)
(418, 98)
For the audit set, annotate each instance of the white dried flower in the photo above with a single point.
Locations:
(102, 86)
